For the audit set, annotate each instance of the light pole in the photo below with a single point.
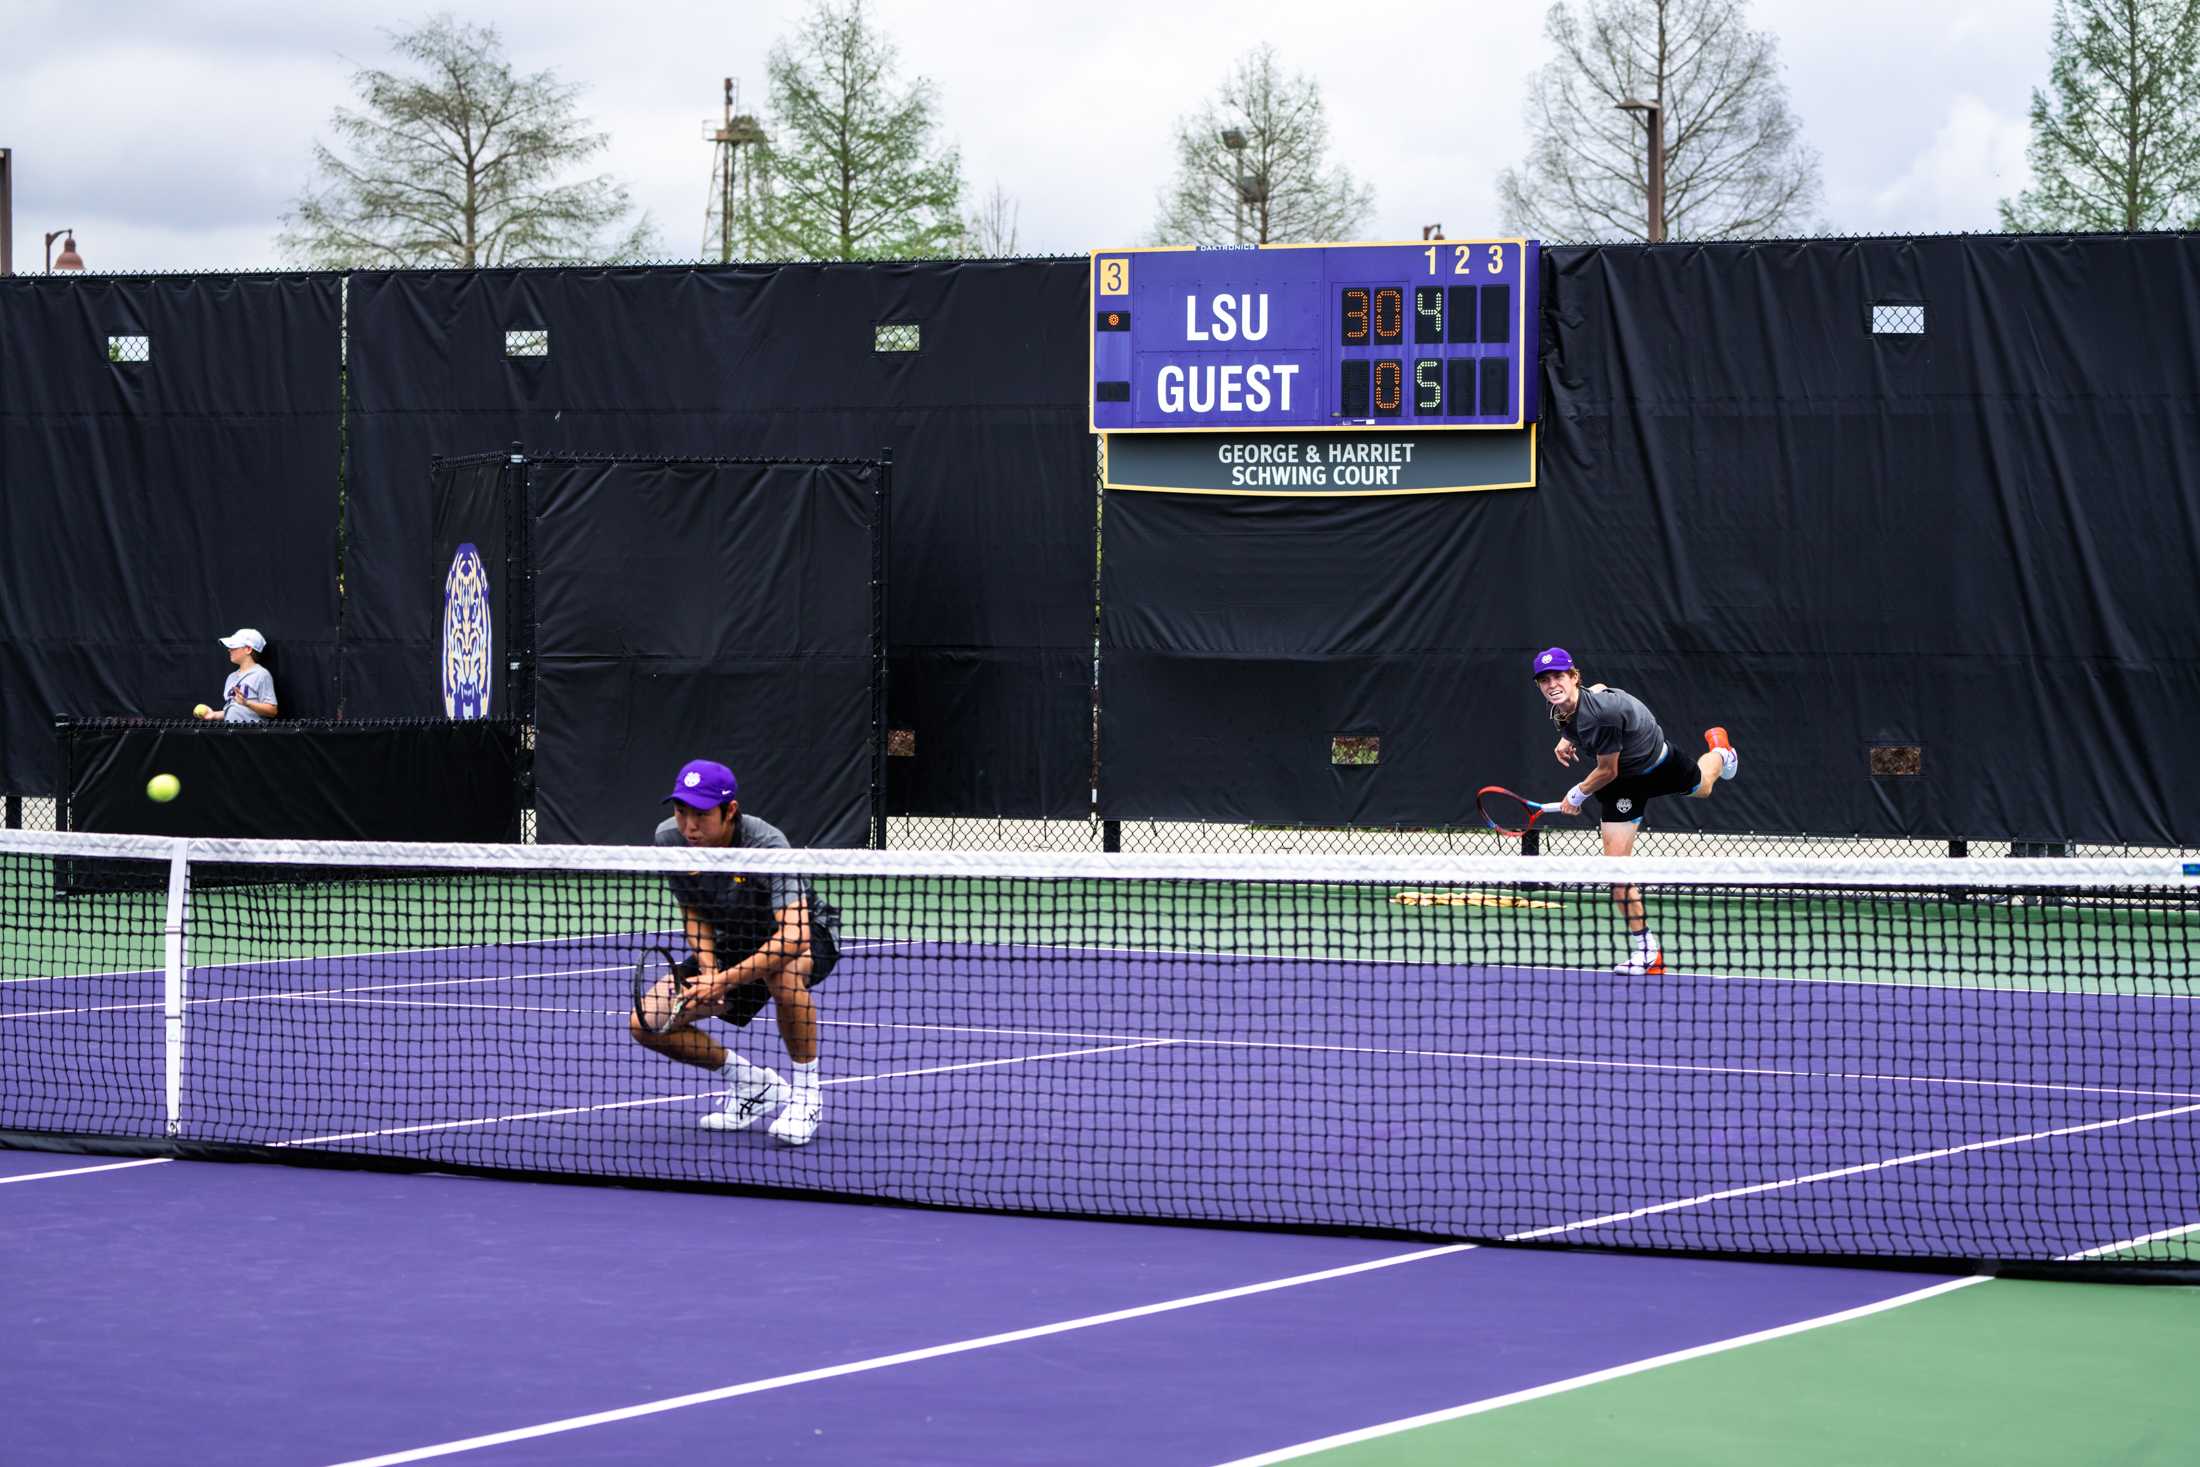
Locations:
(7, 211)
(1234, 140)
(70, 259)
(1653, 118)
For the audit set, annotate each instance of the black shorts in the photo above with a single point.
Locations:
(748, 1000)
(1629, 796)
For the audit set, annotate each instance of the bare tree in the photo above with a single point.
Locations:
(1252, 166)
(992, 229)
(457, 163)
(1736, 165)
(2116, 138)
(850, 172)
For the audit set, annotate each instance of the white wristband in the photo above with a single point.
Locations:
(1576, 798)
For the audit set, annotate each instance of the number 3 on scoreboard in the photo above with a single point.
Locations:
(1115, 277)
(1462, 260)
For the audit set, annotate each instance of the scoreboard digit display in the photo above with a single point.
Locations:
(1440, 334)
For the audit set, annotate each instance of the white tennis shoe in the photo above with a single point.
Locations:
(748, 1104)
(797, 1124)
(1730, 763)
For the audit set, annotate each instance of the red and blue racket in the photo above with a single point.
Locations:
(1511, 814)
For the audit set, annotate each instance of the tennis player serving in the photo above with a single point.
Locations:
(751, 940)
(1634, 765)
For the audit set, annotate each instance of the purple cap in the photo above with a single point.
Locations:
(704, 784)
(1551, 659)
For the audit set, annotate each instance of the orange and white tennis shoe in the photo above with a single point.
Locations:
(1730, 763)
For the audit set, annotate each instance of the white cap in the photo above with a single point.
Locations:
(245, 637)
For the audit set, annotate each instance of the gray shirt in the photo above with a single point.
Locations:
(740, 909)
(1615, 722)
(257, 685)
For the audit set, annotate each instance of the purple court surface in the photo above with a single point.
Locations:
(196, 1312)
(1677, 1111)
(199, 1312)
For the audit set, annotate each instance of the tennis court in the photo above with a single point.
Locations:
(1843, 1068)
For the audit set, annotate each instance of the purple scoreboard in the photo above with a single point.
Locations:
(1440, 334)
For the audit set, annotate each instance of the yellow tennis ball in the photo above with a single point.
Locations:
(202, 710)
(162, 788)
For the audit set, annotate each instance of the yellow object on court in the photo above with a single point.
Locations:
(1470, 899)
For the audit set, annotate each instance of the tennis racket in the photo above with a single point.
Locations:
(654, 966)
(1511, 814)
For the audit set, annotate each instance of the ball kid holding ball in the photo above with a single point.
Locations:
(249, 694)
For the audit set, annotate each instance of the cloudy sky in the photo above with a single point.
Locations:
(171, 134)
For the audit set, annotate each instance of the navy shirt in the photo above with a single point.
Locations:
(740, 910)
(1615, 722)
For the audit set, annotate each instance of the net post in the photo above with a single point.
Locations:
(882, 525)
(67, 749)
(519, 623)
(172, 925)
(519, 608)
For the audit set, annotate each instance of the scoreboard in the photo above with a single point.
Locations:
(1435, 335)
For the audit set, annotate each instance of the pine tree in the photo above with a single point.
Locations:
(850, 171)
(2116, 135)
(458, 161)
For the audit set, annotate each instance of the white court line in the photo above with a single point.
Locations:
(229, 964)
(2139, 1242)
(1563, 1061)
(576, 1110)
(572, 1110)
(1636, 1367)
(674, 1403)
(344, 995)
(888, 946)
(1597, 1377)
(1859, 1169)
(304, 993)
(905, 1357)
(1632, 986)
(78, 1171)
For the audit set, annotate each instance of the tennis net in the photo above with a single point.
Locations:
(1898, 1059)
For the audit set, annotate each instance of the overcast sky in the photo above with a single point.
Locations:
(171, 134)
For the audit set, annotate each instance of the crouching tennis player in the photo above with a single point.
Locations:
(751, 940)
(1634, 765)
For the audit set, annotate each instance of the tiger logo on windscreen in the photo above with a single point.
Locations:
(466, 636)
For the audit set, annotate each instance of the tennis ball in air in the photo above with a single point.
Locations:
(201, 711)
(163, 787)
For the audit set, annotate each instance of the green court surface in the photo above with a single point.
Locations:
(2102, 942)
(2002, 1372)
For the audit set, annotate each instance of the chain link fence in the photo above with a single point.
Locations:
(964, 833)
(26, 812)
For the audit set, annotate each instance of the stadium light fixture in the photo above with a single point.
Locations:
(1652, 116)
(70, 259)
